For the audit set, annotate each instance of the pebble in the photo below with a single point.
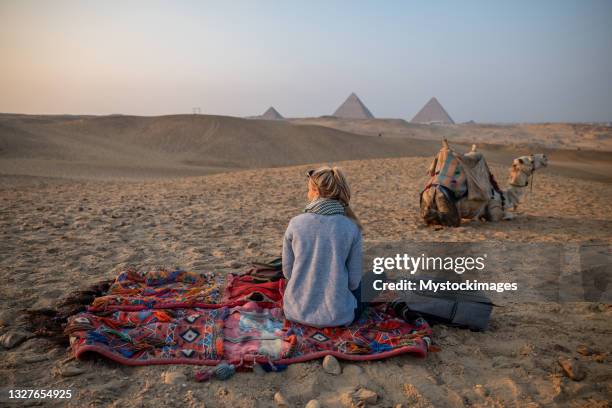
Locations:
(572, 369)
(173, 377)
(331, 365)
(481, 390)
(280, 400)
(313, 404)
(600, 357)
(13, 338)
(71, 371)
(584, 350)
(346, 399)
(366, 396)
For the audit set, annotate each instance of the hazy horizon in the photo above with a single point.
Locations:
(494, 63)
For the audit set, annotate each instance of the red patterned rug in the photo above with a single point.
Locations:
(178, 317)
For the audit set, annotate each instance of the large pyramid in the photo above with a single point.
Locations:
(353, 108)
(271, 114)
(433, 112)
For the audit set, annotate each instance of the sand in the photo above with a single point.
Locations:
(59, 235)
(552, 135)
(83, 197)
(120, 147)
(133, 147)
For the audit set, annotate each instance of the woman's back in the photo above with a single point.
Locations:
(322, 260)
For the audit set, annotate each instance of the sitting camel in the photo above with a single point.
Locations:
(462, 186)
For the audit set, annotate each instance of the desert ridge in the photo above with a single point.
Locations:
(176, 145)
(140, 147)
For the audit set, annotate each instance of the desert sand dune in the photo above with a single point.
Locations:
(96, 147)
(136, 147)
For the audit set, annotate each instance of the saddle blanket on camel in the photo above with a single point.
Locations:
(179, 317)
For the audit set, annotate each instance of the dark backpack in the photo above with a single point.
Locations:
(465, 309)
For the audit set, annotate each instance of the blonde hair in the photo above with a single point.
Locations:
(331, 183)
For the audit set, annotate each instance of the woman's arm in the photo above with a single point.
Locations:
(288, 256)
(355, 262)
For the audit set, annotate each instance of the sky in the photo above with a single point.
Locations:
(488, 61)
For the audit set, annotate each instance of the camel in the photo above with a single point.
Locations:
(462, 186)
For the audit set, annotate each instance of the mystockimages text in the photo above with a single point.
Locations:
(406, 263)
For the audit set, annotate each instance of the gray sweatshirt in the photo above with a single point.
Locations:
(322, 261)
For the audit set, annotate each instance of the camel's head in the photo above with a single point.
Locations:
(539, 160)
(524, 166)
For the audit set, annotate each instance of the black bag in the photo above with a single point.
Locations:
(464, 309)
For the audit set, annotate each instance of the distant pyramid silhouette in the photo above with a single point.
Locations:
(353, 108)
(271, 114)
(433, 112)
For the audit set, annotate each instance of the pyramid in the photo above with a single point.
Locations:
(271, 114)
(433, 112)
(353, 108)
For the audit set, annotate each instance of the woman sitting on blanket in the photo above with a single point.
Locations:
(322, 255)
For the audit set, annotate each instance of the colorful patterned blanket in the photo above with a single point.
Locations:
(446, 170)
(178, 317)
